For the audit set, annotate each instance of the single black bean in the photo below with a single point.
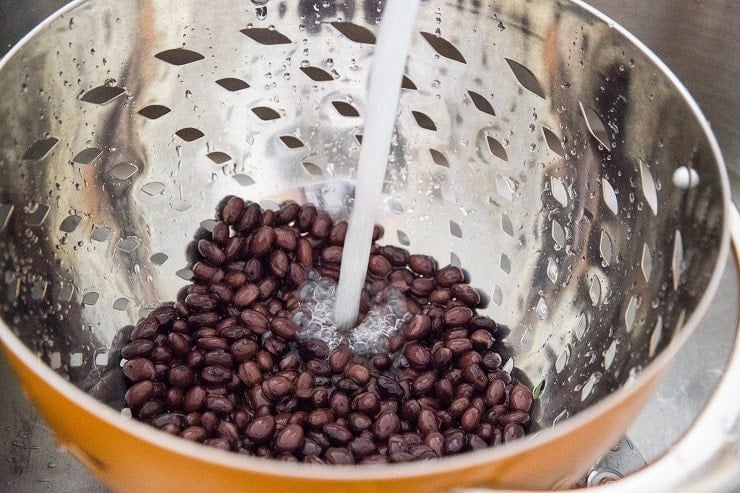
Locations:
(211, 252)
(512, 431)
(448, 276)
(423, 265)
(139, 369)
(386, 424)
(145, 329)
(139, 393)
(137, 348)
(338, 455)
(261, 429)
(417, 356)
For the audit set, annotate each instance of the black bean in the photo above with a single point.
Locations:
(423, 265)
(417, 356)
(454, 441)
(283, 328)
(138, 369)
(338, 455)
(448, 276)
(520, 398)
(145, 329)
(386, 424)
(337, 434)
(261, 429)
(137, 348)
(139, 393)
(290, 438)
(417, 328)
(211, 252)
(288, 212)
(512, 431)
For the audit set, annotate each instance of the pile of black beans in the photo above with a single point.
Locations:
(227, 366)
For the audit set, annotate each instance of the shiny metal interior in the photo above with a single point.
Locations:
(535, 146)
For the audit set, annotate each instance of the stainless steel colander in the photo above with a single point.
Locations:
(537, 145)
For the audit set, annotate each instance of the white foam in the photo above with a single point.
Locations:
(315, 318)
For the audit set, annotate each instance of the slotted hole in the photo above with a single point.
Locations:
(358, 138)
(265, 36)
(128, 245)
(594, 290)
(504, 188)
(232, 84)
(38, 290)
(648, 188)
(6, 210)
(443, 47)
(70, 223)
(562, 361)
(552, 270)
(424, 121)
(184, 274)
(179, 56)
(208, 225)
(677, 260)
(558, 191)
(65, 293)
(345, 109)
(590, 384)
(243, 180)
(605, 247)
(102, 94)
(407, 83)
(646, 263)
(497, 296)
(189, 134)
(40, 149)
(455, 260)
(317, 74)
(158, 258)
(595, 125)
(87, 156)
(355, 33)
(396, 207)
(558, 234)
(121, 304)
(312, 169)
(455, 229)
(526, 78)
(655, 337)
(38, 216)
(403, 238)
(218, 157)
(496, 148)
(265, 113)
(610, 197)
(123, 171)
(581, 327)
(90, 298)
(630, 314)
(505, 263)
(154, 111)
(153, 188)
(291, 142)
(553, 141)
(12, 289)
(506, 225)
(100, 233)
(481, 103)
(439, 158)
